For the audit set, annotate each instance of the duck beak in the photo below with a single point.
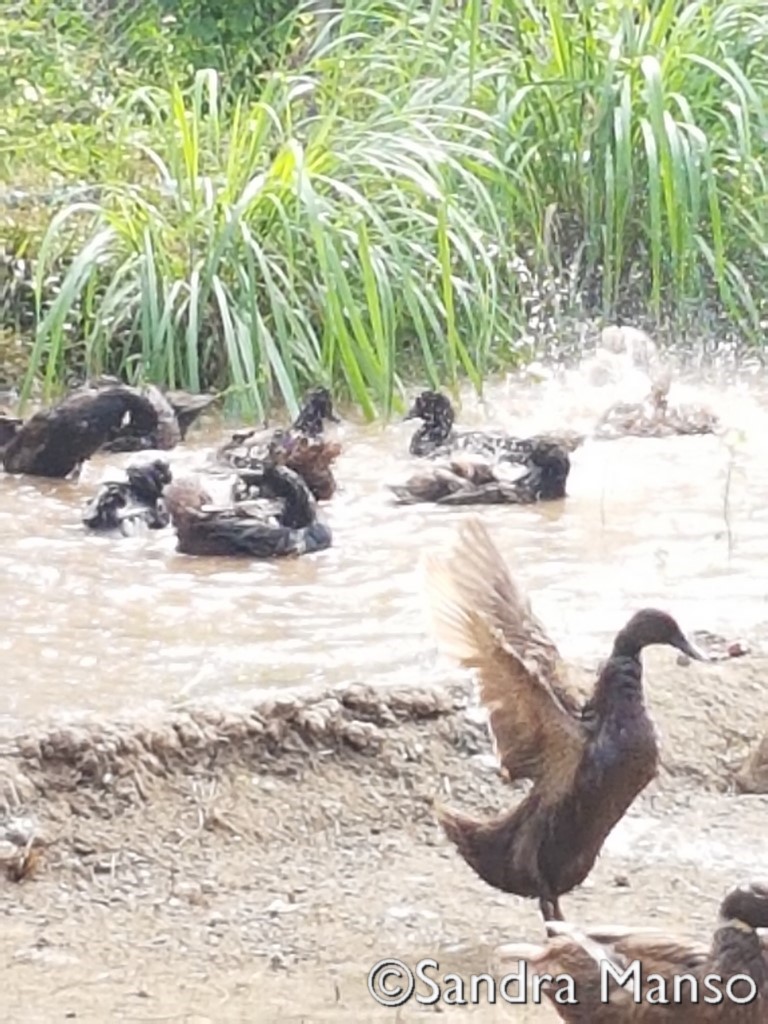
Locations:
(411, 414)
(691, 650)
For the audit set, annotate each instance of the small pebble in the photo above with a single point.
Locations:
(189, 891)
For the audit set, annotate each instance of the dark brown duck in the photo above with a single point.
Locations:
(736, 949)
(290, 528)
(56, 441)
(472, 481)
(587, 762)
(176, 412)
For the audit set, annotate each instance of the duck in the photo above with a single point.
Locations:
(56, 442)
(437, 437)
(119, 505)
(475, 481)
(737, 947)
(587, 759)
(287, 526)
(316, 409)
(176, 412)
(301, 447)
(312, 458)
(654, 416)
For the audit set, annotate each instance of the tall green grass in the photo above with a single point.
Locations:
(359, 216)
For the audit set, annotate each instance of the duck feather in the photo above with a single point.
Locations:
(480, 617)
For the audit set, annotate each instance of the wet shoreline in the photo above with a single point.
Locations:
(283, 845)
(124, 756)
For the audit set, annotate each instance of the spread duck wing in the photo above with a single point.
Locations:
(480, 617)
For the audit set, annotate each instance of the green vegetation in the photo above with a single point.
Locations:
(382, 192)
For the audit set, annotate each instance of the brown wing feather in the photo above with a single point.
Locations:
(480, 617)
(655, 948)
(579, 954)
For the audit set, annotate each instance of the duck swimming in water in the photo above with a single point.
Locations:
(736, 948)
(316, 410)
(588, 761)
(289, 528)
(119, 505)
(311, 458)
(55, 442)
(475, 481)
(655, 417)
(300, 447)
(176, 412)
(437, 437)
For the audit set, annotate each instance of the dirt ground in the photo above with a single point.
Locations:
(253, 863)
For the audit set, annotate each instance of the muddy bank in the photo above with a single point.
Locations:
(252, 862)
(709, 716)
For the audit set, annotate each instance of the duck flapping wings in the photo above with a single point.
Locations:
(481, 618)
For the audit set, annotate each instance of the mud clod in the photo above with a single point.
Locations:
(753, 777)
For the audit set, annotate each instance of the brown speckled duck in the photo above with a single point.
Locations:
(291, 527)
(655, 417)
(436, 437)
(475, 481)
(588, 761)
(737, 948)
(311, 458)
(55, 442)
(301, 447)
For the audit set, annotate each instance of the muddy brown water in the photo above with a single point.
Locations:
(98, 624)
(275, 910)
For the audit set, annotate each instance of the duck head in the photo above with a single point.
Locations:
(651, 626)
(316, 409)
(748, 904)
(552, 462)
(436, 414)
(432, 408)
(149, 480)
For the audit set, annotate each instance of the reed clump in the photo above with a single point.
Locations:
(403, 191)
